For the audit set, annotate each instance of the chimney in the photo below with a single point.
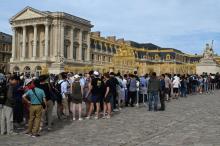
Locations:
(111, 38)
(96, 33)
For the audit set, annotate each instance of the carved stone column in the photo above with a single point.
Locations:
(46, 40)
(72, 42)
(24, 42)
(35, 42)
(80, 46)
(13, 42)
(88, 47)
(62, 41)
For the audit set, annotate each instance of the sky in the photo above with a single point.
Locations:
(186, 25)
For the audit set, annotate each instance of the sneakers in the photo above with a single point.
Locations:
(96, 117)
(35, 135)
(115, 110)
(88, 117)
(108, 117)
(28, 134)
(80, 119)
(13, 133)
(74, 119)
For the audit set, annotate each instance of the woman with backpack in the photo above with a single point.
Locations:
(76, 97)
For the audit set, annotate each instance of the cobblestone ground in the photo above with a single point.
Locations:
(194, 120)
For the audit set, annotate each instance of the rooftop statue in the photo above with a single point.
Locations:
(208, 53)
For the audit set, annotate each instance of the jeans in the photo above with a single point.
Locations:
(183, 91)
(206, 87)
(153, 98)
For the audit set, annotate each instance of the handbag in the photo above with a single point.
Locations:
(42, 103)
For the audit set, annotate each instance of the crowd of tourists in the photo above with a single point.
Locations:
(28, 101)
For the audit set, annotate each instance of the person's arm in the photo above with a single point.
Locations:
(44, 98)
(25, 98)
(90, 88)
(107, 91)
(82, 88)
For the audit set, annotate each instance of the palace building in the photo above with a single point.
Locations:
(53, 42)
(5, 51)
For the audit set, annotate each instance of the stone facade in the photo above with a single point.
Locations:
(57, 41)
(5, 51)
(50, 40)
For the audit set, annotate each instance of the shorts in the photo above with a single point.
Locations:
(95, 98)
(175, 90)
(108, 99)
(86, 99)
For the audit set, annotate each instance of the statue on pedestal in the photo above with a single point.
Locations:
(208, 53)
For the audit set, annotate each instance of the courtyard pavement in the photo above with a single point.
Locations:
(191, 121)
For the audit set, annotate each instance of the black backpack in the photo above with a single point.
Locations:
(3, 91)
(58, 87)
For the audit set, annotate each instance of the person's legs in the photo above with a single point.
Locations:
(80, 110)
(128, 98)
(49, 113)
(3, 118)
(97, 109)
(65, 106)
(74, 110)
(105, 109)
(133, 97)
(156, 99)
(31, 119)
(150, 100)
(109, 109)
(90, 109)
(9, 119)
(38, 114)
(162, 100)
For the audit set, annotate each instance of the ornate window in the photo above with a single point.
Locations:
(157, 57)
(168, 57)
(83, 53)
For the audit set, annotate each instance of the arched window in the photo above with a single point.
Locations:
(168, 57)
(16, 70)
(27, 70)
(38, 71)
(157, 57)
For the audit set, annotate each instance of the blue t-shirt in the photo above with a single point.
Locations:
(40, 94)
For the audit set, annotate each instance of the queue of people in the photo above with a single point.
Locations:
(29, 101)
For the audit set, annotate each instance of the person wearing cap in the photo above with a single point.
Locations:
(76, 97)
(37, 97)
(8, 105)
(95, 89)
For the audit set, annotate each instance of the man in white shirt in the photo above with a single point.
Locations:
(65, 91)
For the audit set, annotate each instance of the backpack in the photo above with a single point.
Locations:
(3, 91)
(58, 87)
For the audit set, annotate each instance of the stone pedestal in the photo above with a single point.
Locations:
(56, 68)
(207, 66)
